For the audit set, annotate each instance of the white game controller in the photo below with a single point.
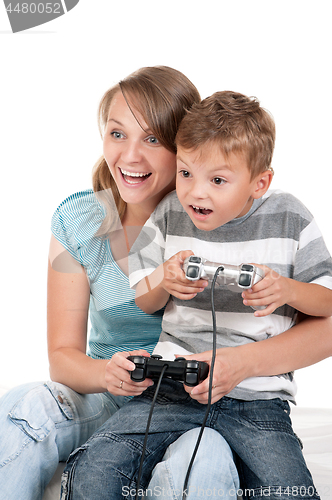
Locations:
(236, 278)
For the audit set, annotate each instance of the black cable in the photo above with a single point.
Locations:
(214, 350)
(148, 427)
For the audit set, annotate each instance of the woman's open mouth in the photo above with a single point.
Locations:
(134, 177)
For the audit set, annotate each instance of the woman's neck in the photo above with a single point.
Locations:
(135, 215)
(123, 239)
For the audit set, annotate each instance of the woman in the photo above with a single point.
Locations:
(41, 424)
(92, 232)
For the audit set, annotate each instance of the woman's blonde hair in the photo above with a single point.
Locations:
(161, 95)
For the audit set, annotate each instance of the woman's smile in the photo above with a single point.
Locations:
(134, 178)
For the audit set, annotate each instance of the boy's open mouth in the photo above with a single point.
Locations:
(201, 210)
(134, 177)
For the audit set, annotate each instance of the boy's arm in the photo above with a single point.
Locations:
(153, 291)
(275, 290)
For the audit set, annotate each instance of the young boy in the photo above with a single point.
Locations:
(222, 211)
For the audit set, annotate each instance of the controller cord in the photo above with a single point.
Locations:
(214, 351)
(147, 429)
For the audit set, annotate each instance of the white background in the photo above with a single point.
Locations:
(52, 78)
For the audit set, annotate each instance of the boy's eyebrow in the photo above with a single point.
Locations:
(179, 158)
(227, 166)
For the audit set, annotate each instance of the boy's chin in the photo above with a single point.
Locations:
(204, 225)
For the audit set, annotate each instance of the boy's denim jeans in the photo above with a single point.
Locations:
(268, 453)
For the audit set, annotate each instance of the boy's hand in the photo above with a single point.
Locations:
(272, 291)
(175, 281)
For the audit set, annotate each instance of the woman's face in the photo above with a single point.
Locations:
(142, 168)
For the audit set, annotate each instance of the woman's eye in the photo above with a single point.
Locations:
(218, 181)
(117, 135)
(152, 140)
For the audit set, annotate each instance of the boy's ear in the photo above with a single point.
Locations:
(262, 184)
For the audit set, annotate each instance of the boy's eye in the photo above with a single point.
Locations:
(218, 181)
(184, 173)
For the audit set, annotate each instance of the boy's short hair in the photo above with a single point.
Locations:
(236, 123)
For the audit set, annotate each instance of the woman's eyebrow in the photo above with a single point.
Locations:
(116, 121)
(147, 131)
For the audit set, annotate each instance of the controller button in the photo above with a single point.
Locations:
(136, 359)
(245, 280)
(191, 379)
(196, 260)
(138, 374)
(192, 272)
(179, 359)
(192, 364)
(156, 356)
(247, 267)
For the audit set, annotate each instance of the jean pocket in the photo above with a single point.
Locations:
(36, 413)
(270, 415)
(61, 399)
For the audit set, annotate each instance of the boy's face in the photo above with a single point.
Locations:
(214, 189)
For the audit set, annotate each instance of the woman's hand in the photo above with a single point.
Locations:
(175, 281)
(229, 371)
(117, 376)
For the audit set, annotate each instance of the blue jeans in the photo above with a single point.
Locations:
(213, 465)
(268, 453)
(42, 423)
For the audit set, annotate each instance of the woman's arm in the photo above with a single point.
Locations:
(305, 344)
(67, 316)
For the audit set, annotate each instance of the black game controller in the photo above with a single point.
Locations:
(236, 278)
(184, 370)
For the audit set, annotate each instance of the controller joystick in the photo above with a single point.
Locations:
(188, 371)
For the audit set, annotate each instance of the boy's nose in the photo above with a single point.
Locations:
(198, 190)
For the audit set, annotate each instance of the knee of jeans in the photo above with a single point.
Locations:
(211, 439)
(36, 412)
(68, 473)
(106, 458)
(212, 444)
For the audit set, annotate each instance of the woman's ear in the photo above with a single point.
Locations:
(262, 183)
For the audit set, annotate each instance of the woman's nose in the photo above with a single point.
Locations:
(131, 152)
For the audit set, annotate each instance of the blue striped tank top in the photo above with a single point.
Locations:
(117, 324)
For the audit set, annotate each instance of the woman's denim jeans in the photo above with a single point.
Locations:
(268, 453)
(40, 425)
